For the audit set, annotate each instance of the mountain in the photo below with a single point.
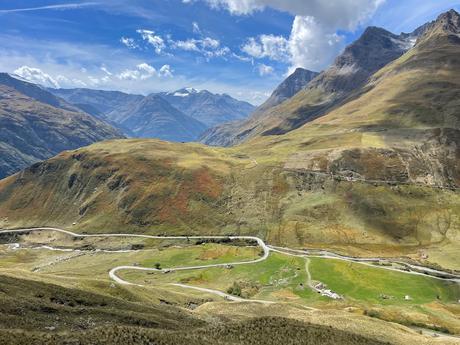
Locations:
(36, 125)
(373, 50)
(34, 91)
(153, 117)
(377, 174)
(298, 80)
(218, 135)
(208, 108)
(96, 102)
(198, 107)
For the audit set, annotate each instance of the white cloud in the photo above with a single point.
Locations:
(311, 45)
(36, 75)
(267, 46)
(199, 45)
(156, 41)
(265, 70)
(345, 14)
(166, 71)
(129, 42)
(207, 46)
(105, 70)
(51, 7)
(314, 41)
(196, 28)
(145, 71)
(189, 45)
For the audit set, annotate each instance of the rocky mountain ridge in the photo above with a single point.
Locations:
(373, 50)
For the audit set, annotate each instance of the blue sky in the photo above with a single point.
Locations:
(240, 47)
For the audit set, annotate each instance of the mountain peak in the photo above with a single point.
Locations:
(449, 21)
(375, 30)
(446, 25)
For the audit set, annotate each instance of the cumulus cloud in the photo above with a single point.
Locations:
(67, 82)
(345, 14)
(265, 70)
(207, 46)
(314, 41)
(156, 41)
(310, 45)
(36, 75)
(145, 71)
(267, 46)
(166, 71)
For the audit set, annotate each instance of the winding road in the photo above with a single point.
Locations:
(410, 269)
(266, 252)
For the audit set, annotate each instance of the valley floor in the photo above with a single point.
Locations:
(192, 271)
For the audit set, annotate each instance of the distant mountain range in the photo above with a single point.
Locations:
(182, 115)
(154, 117)
(370, 159)
(208, 108)
(36, 125)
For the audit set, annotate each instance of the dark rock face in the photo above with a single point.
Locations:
(372, 51)
(36, 125)
(208, 108)
(289, 87)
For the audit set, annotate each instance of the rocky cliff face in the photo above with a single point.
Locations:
(297, 81)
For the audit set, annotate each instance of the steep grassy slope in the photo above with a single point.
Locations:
(33, 130)
(34, 312)
(222, 135)
(350, 71)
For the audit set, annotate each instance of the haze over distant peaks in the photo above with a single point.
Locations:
(208, 108)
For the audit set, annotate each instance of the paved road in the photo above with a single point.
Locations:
(412, 269)
(266, 251)
(113, 272)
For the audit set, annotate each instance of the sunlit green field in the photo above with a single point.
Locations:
(360, 282)
(280, 278)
